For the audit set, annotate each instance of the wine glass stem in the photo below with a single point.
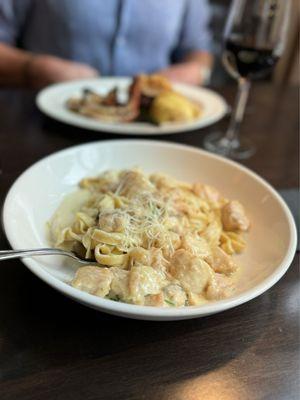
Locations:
(232, 133)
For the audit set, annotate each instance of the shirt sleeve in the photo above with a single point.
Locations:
(195, 33)
(12, 18)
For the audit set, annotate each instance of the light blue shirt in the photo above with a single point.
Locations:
(118, 37)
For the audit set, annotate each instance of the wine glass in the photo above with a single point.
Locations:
(255, 35)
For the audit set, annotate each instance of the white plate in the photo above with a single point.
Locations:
(39, 190)
(52, 100)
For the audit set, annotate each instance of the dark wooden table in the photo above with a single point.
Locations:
(53, 348)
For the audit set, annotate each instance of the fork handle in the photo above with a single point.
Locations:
(9, 254)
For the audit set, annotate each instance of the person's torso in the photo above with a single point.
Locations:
(120, 37)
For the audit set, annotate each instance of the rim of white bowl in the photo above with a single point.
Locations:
(149, 311)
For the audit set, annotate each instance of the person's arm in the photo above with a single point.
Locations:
(192, 55)
(195, 69)
(20, 68)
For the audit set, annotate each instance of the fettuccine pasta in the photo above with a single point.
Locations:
(158, 241)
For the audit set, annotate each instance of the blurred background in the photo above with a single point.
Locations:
(287, 70)
(70, 31)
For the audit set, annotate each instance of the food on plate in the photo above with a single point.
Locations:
(158, 241)
(173, 107)
(150, 98)
(107, 108)
(152, 85)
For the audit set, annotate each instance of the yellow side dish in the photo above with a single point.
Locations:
(170, 106)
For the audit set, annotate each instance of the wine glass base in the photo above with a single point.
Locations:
(235, 149)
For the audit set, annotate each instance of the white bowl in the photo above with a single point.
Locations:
(39, 190)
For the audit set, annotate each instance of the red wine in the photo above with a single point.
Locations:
(250, 62)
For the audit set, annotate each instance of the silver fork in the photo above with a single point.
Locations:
(8, 254)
